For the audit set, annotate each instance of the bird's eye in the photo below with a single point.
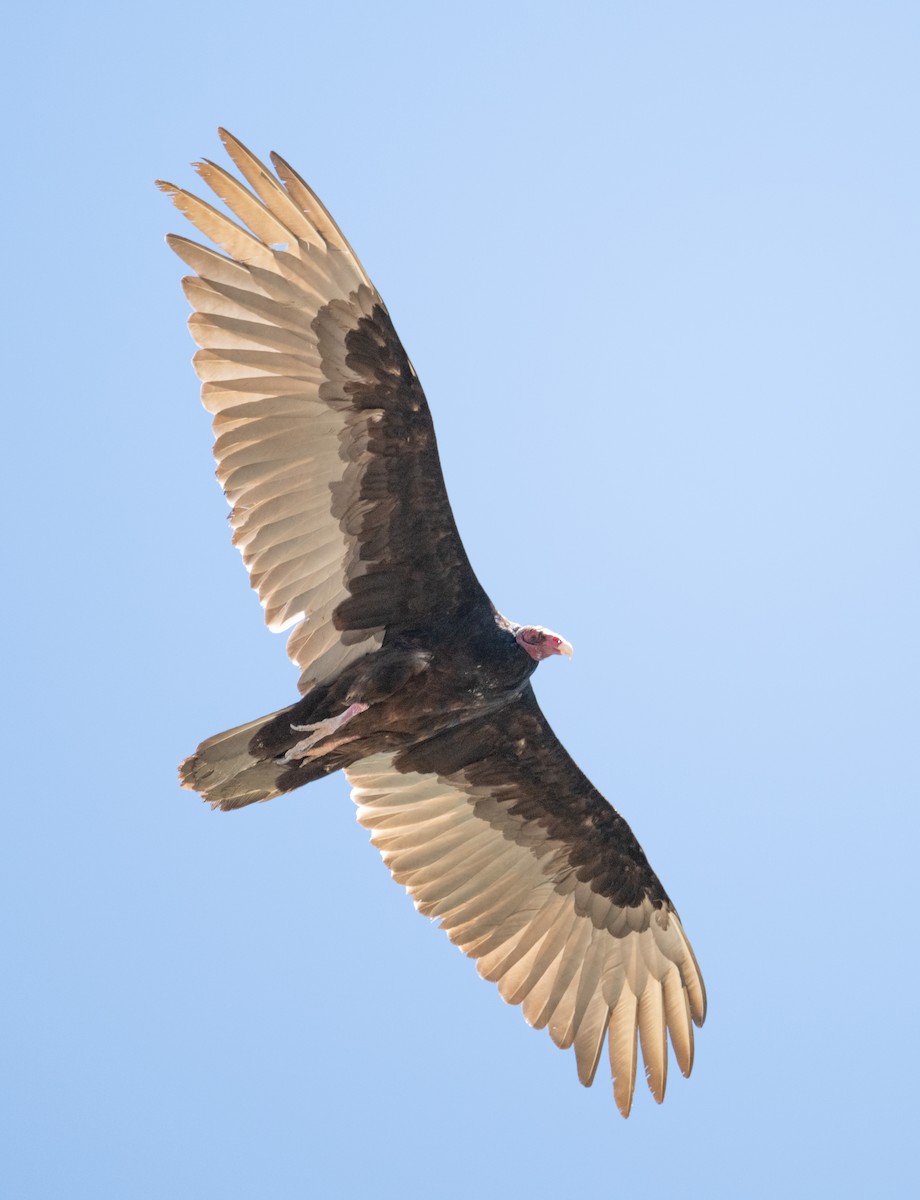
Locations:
(557, 641)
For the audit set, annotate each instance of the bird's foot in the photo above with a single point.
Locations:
(319, 731)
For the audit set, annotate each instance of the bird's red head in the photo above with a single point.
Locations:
(540, 643)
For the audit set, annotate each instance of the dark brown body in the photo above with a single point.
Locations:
(418, 684)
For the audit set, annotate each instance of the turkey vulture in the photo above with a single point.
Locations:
(411, 680)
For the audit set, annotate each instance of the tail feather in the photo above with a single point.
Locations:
(227, 773)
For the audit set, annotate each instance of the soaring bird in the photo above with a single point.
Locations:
(411, 679)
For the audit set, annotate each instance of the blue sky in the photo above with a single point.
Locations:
(657, 268)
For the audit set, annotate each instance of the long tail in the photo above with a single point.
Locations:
(227, 772)
(247, 764)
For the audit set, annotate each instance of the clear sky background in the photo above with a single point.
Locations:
(657, 267)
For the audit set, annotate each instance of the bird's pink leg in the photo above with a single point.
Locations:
(321, 730)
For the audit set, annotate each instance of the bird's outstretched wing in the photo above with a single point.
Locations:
(324, 442)
(494, 830)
